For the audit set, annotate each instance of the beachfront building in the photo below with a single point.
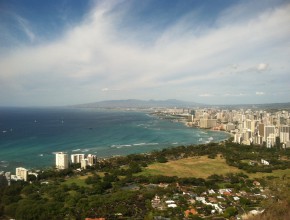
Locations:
(3, 179)
(77, 158)
(84, 163)
(22, 173)
(92, 159)
(61, 160)
(248, 126)
(207, 123)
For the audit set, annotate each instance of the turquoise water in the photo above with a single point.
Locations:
(29, 136)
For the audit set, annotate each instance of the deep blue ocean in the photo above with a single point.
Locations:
(30, 136)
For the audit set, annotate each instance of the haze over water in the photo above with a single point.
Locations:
(29, 136)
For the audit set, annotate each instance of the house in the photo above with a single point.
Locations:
(163, 185)
(190, 211)
(200, 199)
(169, 202)
(191, 201)
(212, 199)
(253, 163)
(220, 197)
(172, 205)
(256, 183)
(265, 162)
(236, 198)
(155, 202)
(211, 191)
(217, 208)
(226, 192)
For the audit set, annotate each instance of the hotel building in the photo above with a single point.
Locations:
(61, 160)
(77, 158)
(22, 173)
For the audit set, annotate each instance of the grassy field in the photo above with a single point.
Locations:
(201, 167)
(276, 173)
(78, 180)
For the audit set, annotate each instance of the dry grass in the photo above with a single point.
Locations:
(276, 173)
(199, 167)
(202, 167)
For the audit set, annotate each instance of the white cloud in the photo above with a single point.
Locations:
(235, 94)
(262, 67)
(260, 93)
(105, 89)
(108, 90)
(97, 54)
(206, 95)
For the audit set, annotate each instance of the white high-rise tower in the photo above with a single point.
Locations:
(61, 160)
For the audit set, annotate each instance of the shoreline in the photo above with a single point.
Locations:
(9, 165)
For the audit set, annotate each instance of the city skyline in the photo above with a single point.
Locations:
(211, 52)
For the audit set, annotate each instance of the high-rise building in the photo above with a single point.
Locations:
(230, 126)
(269, 129)
(77, 158)
(61, 160)
(261, 129)
(247, 124)
(271, 140)
(92, 159)
(8, 177)
(207, 123)
(284, 133)
(84, 163)
(3, 179)
(22, 173)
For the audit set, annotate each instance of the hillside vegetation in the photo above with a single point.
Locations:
(215, 180)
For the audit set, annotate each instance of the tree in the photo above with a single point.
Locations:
(230, 211)
(93, 179)
(162, 159)
(278, 142)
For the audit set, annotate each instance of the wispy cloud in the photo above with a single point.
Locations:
(24, 25)
(100, 54)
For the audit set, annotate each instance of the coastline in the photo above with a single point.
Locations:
(38, 154)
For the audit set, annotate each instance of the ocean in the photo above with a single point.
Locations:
(30, 136)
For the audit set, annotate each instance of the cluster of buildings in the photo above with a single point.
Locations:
(248, 126)
(20, 174)
(62, 160)
(218, 200)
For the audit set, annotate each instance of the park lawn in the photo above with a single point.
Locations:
(275, 173)
(199, 167)
(202, 167)
(78, 180)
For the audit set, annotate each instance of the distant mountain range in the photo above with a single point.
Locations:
(135, 103)
(266, 106)
(172, 103)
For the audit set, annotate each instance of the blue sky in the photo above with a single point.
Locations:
(62, 52)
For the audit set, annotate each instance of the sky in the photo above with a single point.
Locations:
(62, 52)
